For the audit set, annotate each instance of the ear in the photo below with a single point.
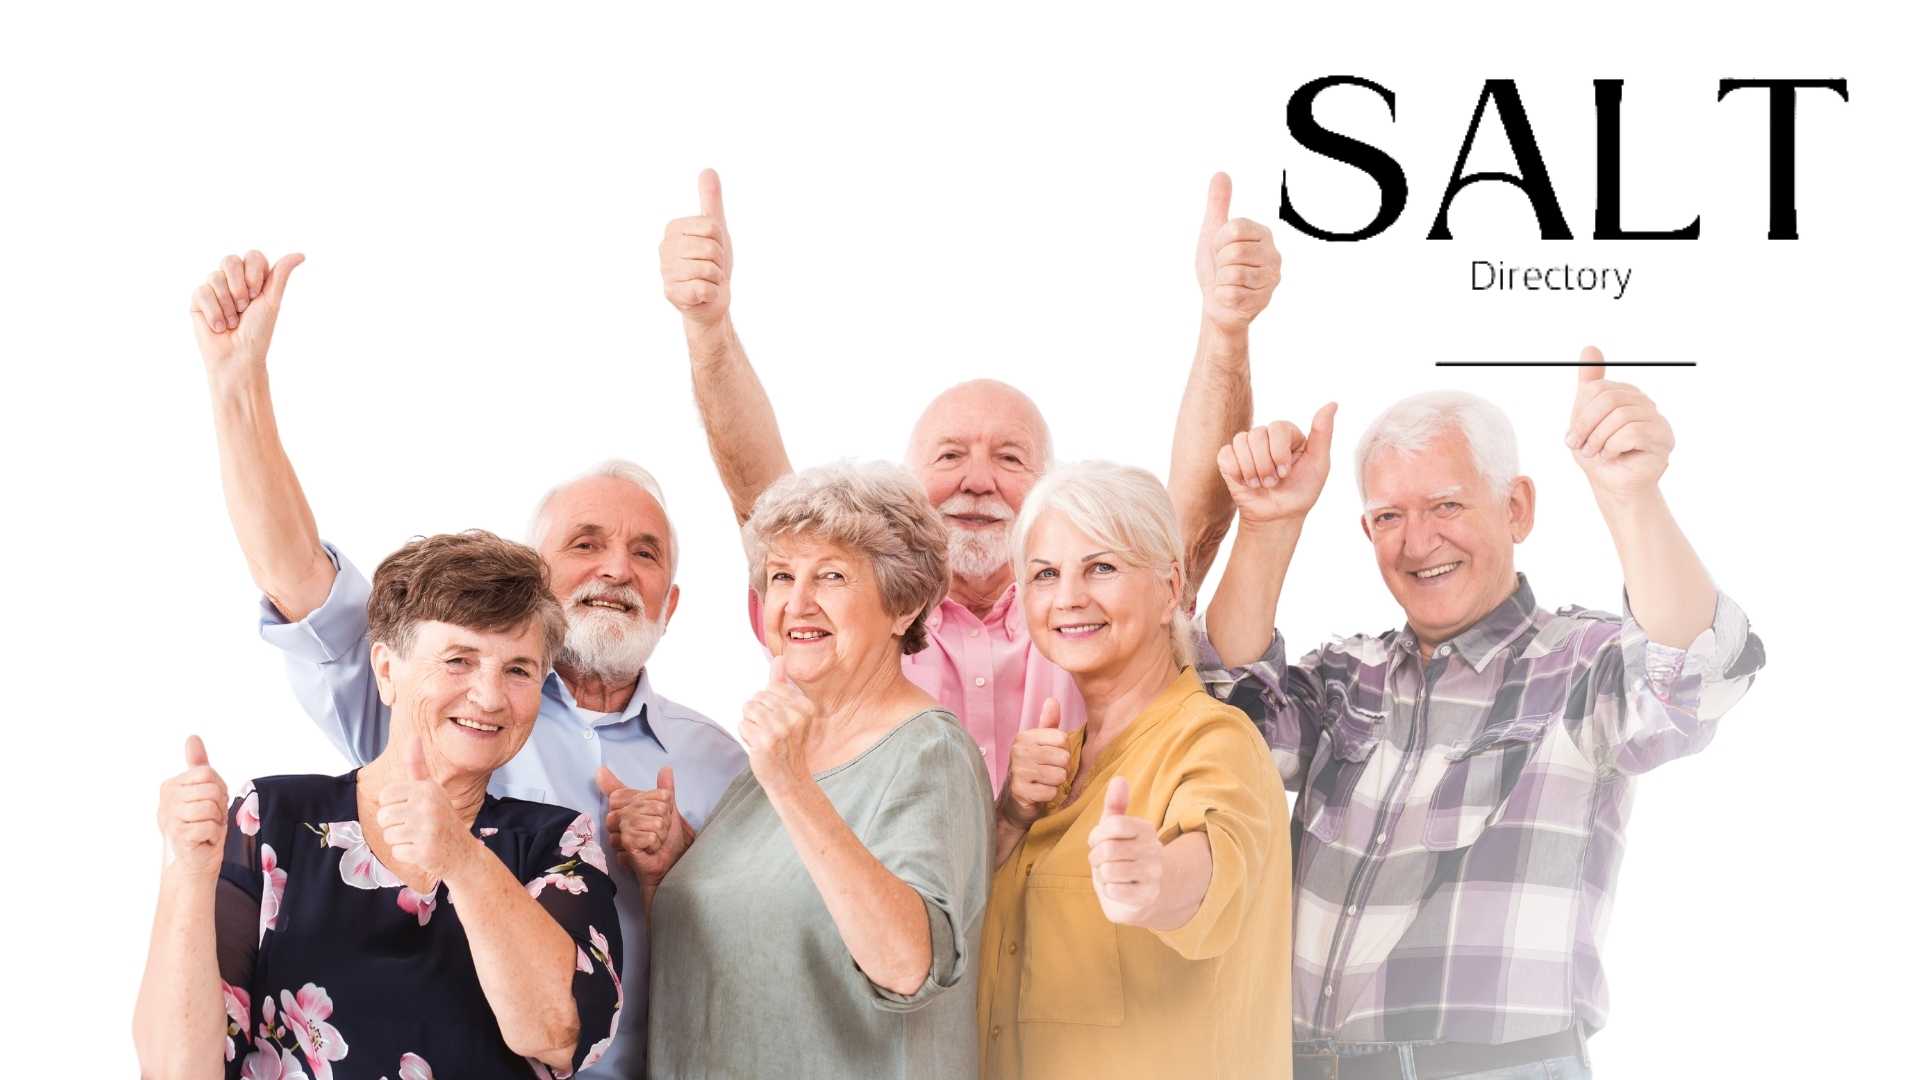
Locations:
(673, 604)
(1178, 581)
(900, 624)
(1520, 507)
(383, 660)
(1366, 526)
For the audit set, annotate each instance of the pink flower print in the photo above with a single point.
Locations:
(415, 1067)
(248, 816)
(321, 1042)
(601, 952)
(419, 905)
(599, 1049)
(579, 839)
(266, 1017)
(239, 1007)
(273, 889)
(572, 883)
(580, 964)
(488, 830)
(358, 867)
(269, 1062)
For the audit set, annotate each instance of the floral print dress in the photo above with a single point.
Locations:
(332, 967)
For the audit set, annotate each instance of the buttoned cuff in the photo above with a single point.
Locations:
(1726, 649)
(334, 629)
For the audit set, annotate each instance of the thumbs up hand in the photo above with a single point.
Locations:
(1275, 473)
(234, 312)
(1617, 436)
(1036, 769)
(1127, 860)
(775, 725)
(193, 815)
(696, 259)
(644, 828)
(419, 824)
(1236, 262)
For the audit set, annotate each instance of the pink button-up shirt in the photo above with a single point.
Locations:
(986, 672)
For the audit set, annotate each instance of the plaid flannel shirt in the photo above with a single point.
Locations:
(1459, 822)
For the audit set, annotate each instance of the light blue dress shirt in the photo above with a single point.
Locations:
(330, 664)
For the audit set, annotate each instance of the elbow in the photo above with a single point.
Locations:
(551, 1040)
(905, 979)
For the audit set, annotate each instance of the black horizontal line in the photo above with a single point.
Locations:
(1564, 363)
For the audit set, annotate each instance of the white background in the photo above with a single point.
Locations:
(917, 198)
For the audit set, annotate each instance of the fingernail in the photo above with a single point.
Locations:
(1586, 451)
(1282, 470)
(1569, 438)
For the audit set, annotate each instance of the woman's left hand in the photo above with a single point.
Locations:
(1127, 860)
(419, 823)
(774, 724)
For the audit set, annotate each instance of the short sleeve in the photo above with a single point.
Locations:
(1224, 784)
(573, 887)
(934, 831)
(245, 900)
(330, 663)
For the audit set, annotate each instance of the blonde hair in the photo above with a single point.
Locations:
(1121, 508)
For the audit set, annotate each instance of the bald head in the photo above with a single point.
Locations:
(983, 409)
(977, 450)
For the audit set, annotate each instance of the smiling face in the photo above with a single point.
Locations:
(1442, 537)
(605, 541)
(823, 611)
(977, 451)
(470, 695)
(1090, 611)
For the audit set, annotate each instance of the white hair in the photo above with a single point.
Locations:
(1411, 424)
(1121, 508)
(619, 469)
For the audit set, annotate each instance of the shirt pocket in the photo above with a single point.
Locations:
(1347, 740)
(1071, 971)
(1478, 779)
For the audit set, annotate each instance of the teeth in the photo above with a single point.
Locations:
(807, 635)
(475, 725)
(1083, 628)
(608, 604)
(1435, 571)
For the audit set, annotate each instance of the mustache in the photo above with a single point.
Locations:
(978, 506)
(619, 594)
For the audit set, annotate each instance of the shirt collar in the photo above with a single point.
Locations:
(1496, 630)
(636, 713)
(1002, 619)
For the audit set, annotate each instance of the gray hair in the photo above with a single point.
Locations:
(1411, 424)
(619, 469)
(876, 509)
(1121, 508)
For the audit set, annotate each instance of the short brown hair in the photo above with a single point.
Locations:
(472, 579)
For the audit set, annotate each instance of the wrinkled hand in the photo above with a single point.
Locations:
(1275, 473)
(1617, 437)
(193, 814)
(234, 312)
(774, 725)
(644, 828)
(419, 824)
(1127, 860)
(1236, 262)
(1036, 769)
(696, 259)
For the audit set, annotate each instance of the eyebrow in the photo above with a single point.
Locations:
(463, 647)
(1098, 554)
(1448, 491)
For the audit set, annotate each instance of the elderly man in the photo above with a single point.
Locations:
(1464, 781)
(977, 450)
(610, 553)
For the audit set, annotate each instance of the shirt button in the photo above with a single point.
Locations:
(984, 751)
(588, 734)
(1353, 909)
(979, 680)
(996, 1031)
(1446, 650)
(1326, 991)
(973, 633)
(1012, 947)
(1381, 839)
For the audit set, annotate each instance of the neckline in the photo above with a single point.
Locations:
(878, 743)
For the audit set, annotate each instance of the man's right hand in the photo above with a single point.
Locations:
(1036, 769)
(1275, 473)
(696, 259)
(645, 829)
(234, 312)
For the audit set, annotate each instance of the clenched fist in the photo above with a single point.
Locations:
(1236, 262)
(1617, 437)
(421, 827)
(234, 312)
(193, 814)
(1036, 769)
(1128, 861)
(644, 828)
(696, 259)
(1275, 473)
(774, 724)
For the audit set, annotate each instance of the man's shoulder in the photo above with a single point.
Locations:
(1571, 626)
(679, 720)
(1359, 650)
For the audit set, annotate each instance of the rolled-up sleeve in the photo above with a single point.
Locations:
(330, 663)
(1284, 701)
(1640, 704)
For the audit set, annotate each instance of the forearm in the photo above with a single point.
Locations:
(179, 1021)
(524, 959)
(881, 919)
(269, 512)
(1186, 872)
(1217, 403)
(1672, 596)
(742, 432)
(1006, 837)
(1241, 618)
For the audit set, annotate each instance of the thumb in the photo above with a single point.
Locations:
(196, 752)
(1320, 435)
(1219, 197)
(609, 783)
(416, 761)
(1050, 714)
(1116, 797)
(277, 277)
(665, 783)
(710, 205)
(1593, 366)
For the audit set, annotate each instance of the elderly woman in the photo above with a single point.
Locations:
(395, 921)
(825, 921)
(1140, 914)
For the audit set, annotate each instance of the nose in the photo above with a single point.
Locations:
(1421, 537)
(1070, 592)
(801, 598)
(615, 566)
(979, 478)
(488, 691)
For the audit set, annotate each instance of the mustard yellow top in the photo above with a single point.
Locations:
(1064, 992)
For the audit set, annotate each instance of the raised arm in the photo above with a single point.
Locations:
(1622, 443)
(696, 268)
(233, 316)
(1238, 266)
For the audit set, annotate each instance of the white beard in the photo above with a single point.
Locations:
(608, 644)
(978, 553)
